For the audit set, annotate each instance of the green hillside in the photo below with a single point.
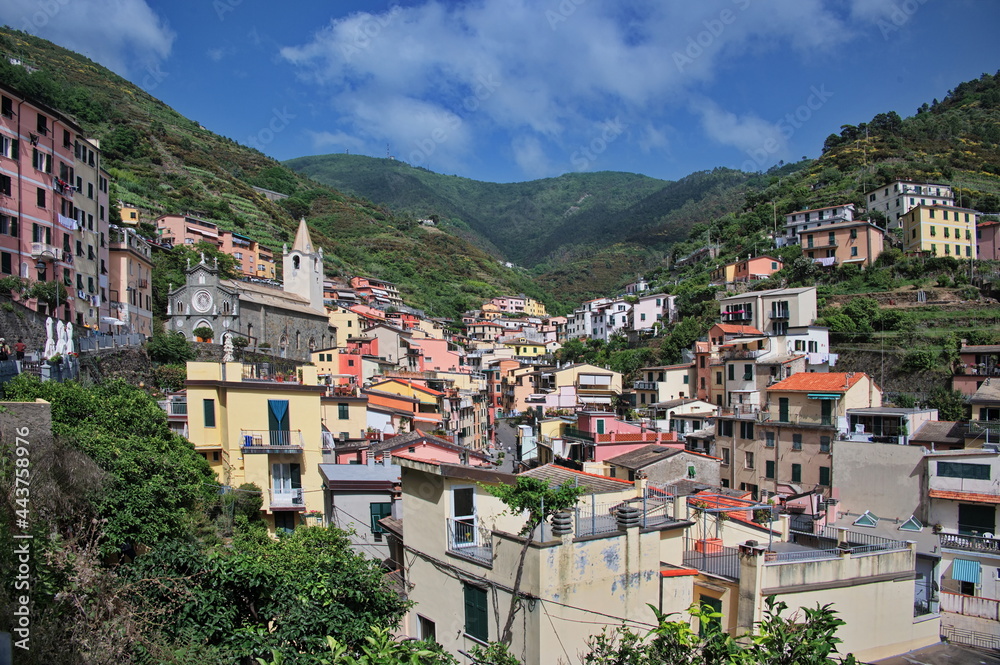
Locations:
(523, 222)
(166, 163)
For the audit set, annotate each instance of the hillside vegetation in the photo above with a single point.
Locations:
(166, 163)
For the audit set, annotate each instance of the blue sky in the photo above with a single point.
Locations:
(510, 90)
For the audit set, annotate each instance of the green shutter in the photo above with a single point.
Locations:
(769, 469)
(379, 511)
(476, 613)
(209, 407)
(824, 475)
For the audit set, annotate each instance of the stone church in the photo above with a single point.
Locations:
(292, 320)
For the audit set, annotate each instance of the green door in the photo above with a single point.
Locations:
(783, 409)
(826, 411)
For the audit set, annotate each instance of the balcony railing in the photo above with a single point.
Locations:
(574, 433)
(714, 559)
(41, 249)
(644, 385)
(265, 441)
(956, 541)
(984, 426)
(289, 498)
(743, 354)
(178, 408)
(467, 539)
(781, 313)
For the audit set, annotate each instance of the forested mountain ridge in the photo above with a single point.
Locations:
(163, 162)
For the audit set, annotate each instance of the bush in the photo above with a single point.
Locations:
(170, 348)
(203, 332)
(170, 377)
(920, 361)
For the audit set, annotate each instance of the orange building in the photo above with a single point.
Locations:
(857, 241)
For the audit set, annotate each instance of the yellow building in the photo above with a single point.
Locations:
(130, 215)
(525, 349)
(256, 429)
(940, 231)
(346, 323)
(534, 308)
(264, 258)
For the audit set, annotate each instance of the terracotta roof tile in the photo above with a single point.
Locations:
(836, 382)
(974, 497)
(734, 328)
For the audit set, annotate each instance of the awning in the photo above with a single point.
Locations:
(825, 396)
(965, 571)
(594, 399)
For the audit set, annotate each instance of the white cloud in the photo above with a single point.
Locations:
(217, 54)
(530, 157)
(339, 141)
(544, 74)
(126, 36)
(747, 133)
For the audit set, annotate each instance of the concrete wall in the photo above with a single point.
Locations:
(873, 593)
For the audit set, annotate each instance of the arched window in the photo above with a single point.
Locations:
(250, 333)
(298, 340)
(180, 307)
(312, 343)
(295, 262)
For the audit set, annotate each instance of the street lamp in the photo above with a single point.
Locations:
(40, 266)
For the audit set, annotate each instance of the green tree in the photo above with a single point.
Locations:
(169, 347)
(949, 403)
(540, 501)
(269, 597)
(156, 479)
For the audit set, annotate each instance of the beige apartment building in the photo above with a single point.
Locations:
(844, 243)
(940, 230)
(786, 447)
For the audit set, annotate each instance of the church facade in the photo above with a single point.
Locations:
(291, 321)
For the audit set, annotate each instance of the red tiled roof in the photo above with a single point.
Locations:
(974, 497)
(834, 382)
(734, 328)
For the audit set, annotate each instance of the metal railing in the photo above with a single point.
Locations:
(970, 543)
(275, 438)
(715, 560)
(467, 539)
(574, 433)
(289, 498)
(810, 555)
(970, 638)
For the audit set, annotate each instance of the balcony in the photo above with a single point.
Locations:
(710, 556)
(271, 441)
(45, 251)
(743, 354)
(736, 317)
(992, 427)
(780, 313)
(469, 541)
(954, 541)
(644, 385)
(287, 499)
(573, 433)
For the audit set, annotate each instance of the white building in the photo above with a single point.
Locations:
(897, 198)
(800, 220)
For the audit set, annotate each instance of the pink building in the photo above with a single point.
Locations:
(759, 267)
(614, 437)
(988, 240)
(53, 208)
(424, 355)
(252, 258)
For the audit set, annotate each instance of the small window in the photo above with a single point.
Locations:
(769, 439)
(769, 469)
(824, 444)
(343, 411)
(796, 442)
(796, 473)
(209, 411)
(824, 476)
